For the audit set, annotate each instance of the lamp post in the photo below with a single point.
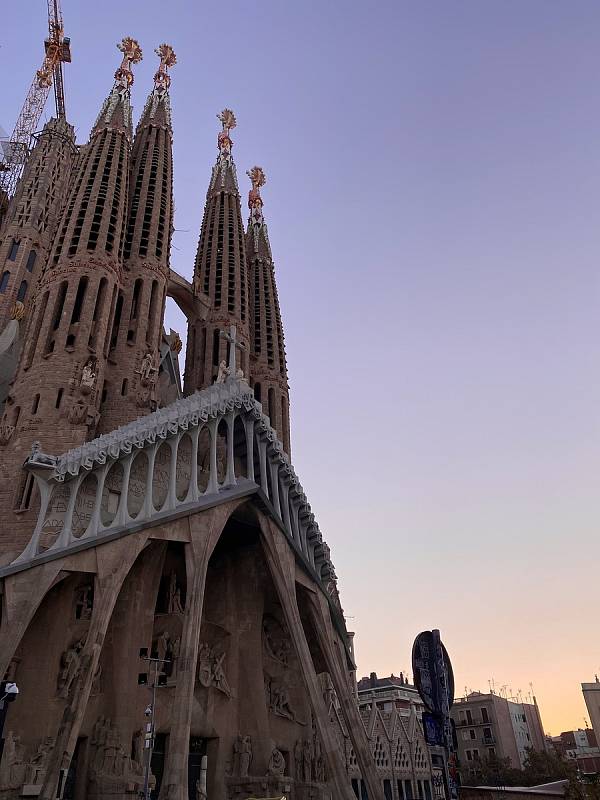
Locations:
(157, 680)
(8, 693)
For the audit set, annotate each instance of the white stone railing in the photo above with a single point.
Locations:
(178, 458)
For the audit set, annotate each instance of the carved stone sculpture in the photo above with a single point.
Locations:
(276, 643)
(278, 701)
(88, 376)
(12, 767)
(242, 756)
(36, 769)
(276, 763)
(174, 605)
(211, 671)
(84, 602)
(147, 370)
(223, 373)
(70, 665)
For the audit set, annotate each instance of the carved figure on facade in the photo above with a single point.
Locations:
(84, 602)
(88, 376)
(39, 459)
(278, 700)
(211, 671)
(276, 765)
(148, 370)
(242, 756)
(12, 767)
(174, 604)
(223, 372)
(276, 642)
(36, 769)
(17, 311)
(110, 759)
(6, 431)
(70, 666)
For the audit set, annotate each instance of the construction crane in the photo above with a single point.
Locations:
(57, 50)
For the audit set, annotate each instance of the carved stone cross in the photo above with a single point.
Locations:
(233, 343)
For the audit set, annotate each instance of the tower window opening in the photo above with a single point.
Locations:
(116, 322)
(36, 404)
(31, 261)
(22, 291)
(97, 306)
(135, 301)
(4, 281)
(14, 249)
(79, 298)
(257, 392)
(59, 396)
(124, 387)
(38, 326)
(272, 409)
(104, 392)
(152, 314)
(216, 347)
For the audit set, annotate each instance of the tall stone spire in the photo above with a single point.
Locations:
(59, 387)
(220, 271)
(133, 370)
(268, 368)
(33, 214)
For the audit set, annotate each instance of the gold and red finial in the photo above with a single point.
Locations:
(258, 178)
(132, 54)
(228, 121)
(162, 79)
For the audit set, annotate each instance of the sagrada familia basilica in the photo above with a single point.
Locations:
(164, 581)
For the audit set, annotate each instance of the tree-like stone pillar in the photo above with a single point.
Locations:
(205, 530)
(113, 567)
(282, 566)
(328, 642)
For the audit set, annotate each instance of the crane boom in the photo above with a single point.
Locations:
(16, 150)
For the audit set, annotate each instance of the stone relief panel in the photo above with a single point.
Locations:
(84, 505)
(203, 459)
(55, 516)
(183, 471)
(111, 493)
(276, 641)
(138, 479)
(278, 700)
(211, 669)
(84, 601)
(161, 474)
(70, 667)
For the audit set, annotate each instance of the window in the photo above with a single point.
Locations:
(469, 717)
(4, 281)
(22, 291)
(36, 404)
(469, 755)
(59, 395)
(472, 734)
(408, 792)
(484, 715)
(124, 387)
(31, 261)
(427, 786)
(420, 789)
(14, 249)
(476, 754)
(387, 789)
(492, 752)
(400, 791)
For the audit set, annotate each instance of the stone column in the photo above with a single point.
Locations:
(334, 656)
(205, 530)
(113, 567)
(282, 565)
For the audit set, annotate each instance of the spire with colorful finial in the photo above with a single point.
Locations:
(120, 93)
(255, 202)
(162, 79)
(132, 54)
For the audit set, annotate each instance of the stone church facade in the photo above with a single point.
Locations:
(138, 515)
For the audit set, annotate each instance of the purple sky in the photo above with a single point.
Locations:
(432, 198)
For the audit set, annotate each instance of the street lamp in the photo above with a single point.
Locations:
(8, 693)
(157, 681)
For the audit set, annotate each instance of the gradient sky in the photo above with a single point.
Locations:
(433, 197)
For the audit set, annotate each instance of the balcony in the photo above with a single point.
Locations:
(489, 740)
